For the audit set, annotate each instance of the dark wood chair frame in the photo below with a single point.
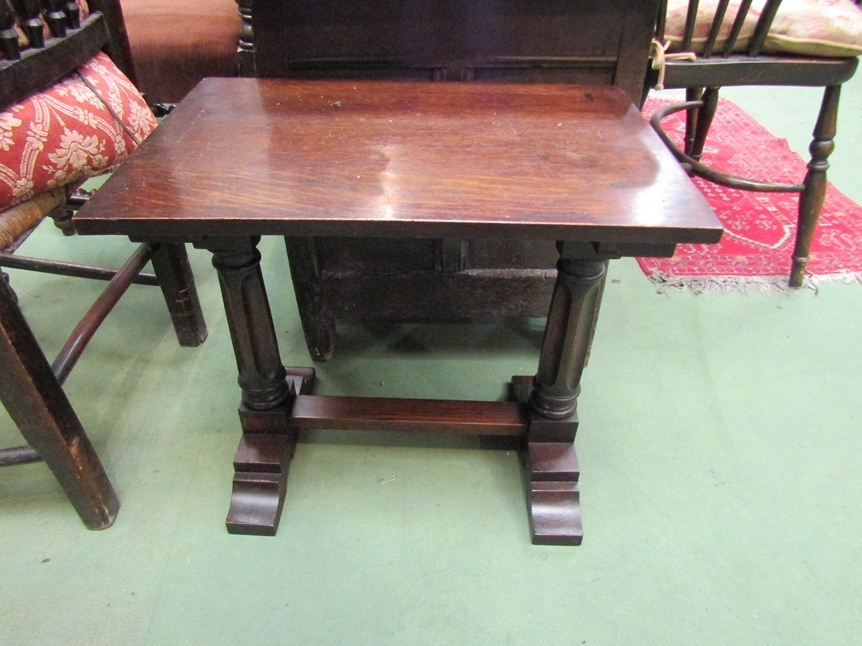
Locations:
(702, 78)
(30, 387)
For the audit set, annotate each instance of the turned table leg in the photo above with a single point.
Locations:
(552, 464)
(267, 445)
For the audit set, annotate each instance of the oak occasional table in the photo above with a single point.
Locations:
(242, 158)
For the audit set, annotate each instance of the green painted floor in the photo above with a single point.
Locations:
(720, 445)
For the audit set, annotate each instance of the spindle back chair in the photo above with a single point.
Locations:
(727, 49)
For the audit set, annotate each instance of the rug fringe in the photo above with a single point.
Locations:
(744, 284)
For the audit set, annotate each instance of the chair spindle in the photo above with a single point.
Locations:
(715, 28)
(56, 17)
(690, 22)
(741, 14)
(30, 12)
(8, 35)
(73, 14)
(763, 27)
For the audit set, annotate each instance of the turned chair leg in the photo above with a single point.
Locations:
(691, 117)
(814, 193)
(704, 121)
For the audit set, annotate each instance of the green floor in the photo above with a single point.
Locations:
(719, 445)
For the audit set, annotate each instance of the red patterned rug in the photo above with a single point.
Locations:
(760, 228)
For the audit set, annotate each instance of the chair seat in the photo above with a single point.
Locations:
(66, 133)
(741, 69)
(17, 220)
(822, 28)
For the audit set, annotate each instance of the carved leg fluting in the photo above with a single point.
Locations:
(813, 195)
(555, 516)
(263, 457)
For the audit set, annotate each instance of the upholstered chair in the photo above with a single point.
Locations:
(68, 111)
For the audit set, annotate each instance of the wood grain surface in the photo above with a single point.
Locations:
(271, 156)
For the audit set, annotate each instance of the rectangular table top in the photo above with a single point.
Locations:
(250, 156)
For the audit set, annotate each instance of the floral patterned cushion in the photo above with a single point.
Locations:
(66, 133)
(829, 28)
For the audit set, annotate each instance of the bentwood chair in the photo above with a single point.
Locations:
(68, 110)
(718, 43)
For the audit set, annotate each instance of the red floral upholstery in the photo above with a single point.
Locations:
(66, 133)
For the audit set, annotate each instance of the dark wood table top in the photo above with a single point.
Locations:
(249, 156)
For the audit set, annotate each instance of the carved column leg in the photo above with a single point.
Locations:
(43, 414)
(814, 193)
(555, 516)
(171, 264)
(263, 457)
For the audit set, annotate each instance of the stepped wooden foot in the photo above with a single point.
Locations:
(262, 462)
(554, 498)
(551, 461)
(260, 467)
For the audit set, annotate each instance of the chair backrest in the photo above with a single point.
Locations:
(764, 23)
(602, 42)
(728, 47)
(56, 42)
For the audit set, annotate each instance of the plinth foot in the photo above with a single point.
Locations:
(554, 498)
(262, 462)
(260, 467)
(555, 513)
